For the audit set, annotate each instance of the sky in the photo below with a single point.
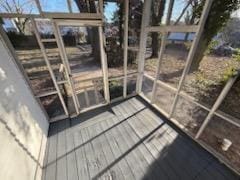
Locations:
(110, 8)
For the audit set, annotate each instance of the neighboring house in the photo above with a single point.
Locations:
(181, 36)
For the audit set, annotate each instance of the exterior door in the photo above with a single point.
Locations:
(82, 50)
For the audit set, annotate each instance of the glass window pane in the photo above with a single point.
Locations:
(52, 105)
(213, 64)
(174, 57)
(134, 22)
(131, 84)
(151, 54)
(164, 98)
(132, 61)
(20, 7)
(158, 12)
(41, 85)
(114, 33)
(186, 12)
(116, 88)
(29, 55)
(147, 86)
(214, 135)
(231, 103)
(189, 115)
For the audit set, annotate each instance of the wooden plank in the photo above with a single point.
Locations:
(98, 153)
(104, 65)
(141, 132)
(147, 130)
(124, 148)
(72, 172)
(82, 167)
(135, 153)
(171, 151)
(45, 160)
(217, 167)
(90, 155)
(155, 120)
(191, 165)
(153, 168)
(48, 40)
(114, 170)
(123, 164)
(61, 151)
(52, 153)
(147, 154)
(187, 143)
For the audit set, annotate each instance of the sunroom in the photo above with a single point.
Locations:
(120, 89)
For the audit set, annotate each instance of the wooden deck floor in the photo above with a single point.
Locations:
(126, 140)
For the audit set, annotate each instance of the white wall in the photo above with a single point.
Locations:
(23, 125)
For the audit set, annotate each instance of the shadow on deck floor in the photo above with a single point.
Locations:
(126, 140)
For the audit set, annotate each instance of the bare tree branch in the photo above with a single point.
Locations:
(183, 11)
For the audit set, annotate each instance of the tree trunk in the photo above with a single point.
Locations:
(198, 56)
(156, 20)
(155, 44)
(92, 31)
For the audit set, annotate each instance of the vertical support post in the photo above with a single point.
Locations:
(193, 50)
(162, 49)
(161, 52)
(49, 65)
(125, 48)
(216, 105)
(143, 40)
(66, 65)
(96, 94)
(104, 65)
(86, 97)
(69, 5)
(39, 6)
(101, 7)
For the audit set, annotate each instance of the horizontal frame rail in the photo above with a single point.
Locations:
(171, 28)
(44, 94)
(54, 15)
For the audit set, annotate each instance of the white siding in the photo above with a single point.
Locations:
(23, 125)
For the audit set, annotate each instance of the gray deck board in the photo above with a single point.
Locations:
(61, 151)
(90, 155)
(101, 160)
(82, 167)
(125, 168)
(175, 160)
(114, 171)
(122, 145)
(142, 132)
(72, 172)
(127, 140)
(52, 154)
(138, 158)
